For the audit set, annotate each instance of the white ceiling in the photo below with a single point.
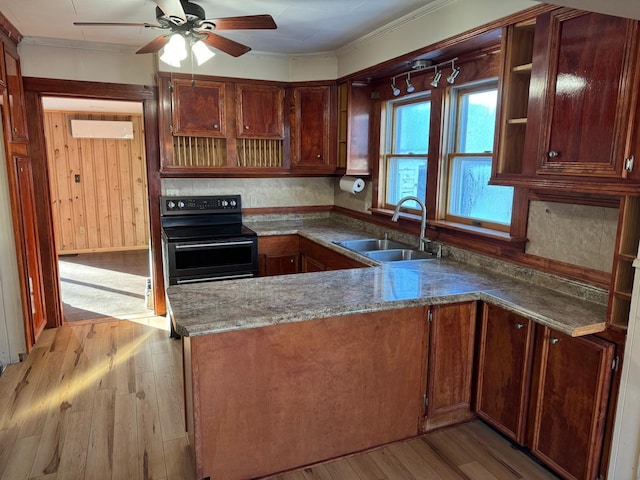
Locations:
(304, 26)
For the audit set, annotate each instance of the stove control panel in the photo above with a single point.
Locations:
(199, 205)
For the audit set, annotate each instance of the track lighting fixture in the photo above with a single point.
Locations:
(394, 89)
(436, 78)
(455, 71)
(410, 87)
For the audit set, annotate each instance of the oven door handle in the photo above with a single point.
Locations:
(215, 244)
(208, 279)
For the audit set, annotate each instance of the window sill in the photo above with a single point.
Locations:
(446, 230)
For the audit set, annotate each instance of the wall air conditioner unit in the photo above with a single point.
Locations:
(102, 129)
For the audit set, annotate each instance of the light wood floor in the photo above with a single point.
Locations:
(104, 401)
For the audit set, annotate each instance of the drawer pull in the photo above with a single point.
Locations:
(553, 154)
(554, 340)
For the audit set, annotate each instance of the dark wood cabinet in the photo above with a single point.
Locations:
(569, 110)
(260, 111)
(198, 108)
(311, 129)
(569, 402)
(15, 97)
(505, 353)
(33, 301)
(585, 113)
(315, 258)
(278, 255)
(354, 113)
(450, 364)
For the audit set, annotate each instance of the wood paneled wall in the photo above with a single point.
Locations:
(107, 209)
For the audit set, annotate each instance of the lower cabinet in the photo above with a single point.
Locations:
(278, 255)
(545, 390)
(315, 258)
(449, 364)
(569, 402)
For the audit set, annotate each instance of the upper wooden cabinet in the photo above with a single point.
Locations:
(15, 93)
(311, 132)
(568, 115)
(198, 108)
(354, 113)
(259, 111)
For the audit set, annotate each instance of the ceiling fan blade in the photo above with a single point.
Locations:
(248, 22)
(231, 47)
(156, 44)
(115, 24)
(172, 9)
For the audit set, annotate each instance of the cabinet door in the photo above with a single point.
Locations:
(17, 118)
(354, 112)
(198, 109)
(259, 110)
(450, 364)
(569, 407)
(34, 311)
(586, 112)
(310, 124)
(504, 370)
(281, 264)
(309, 264)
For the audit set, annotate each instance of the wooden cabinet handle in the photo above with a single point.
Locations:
(554, 340)
(553, 154)
(519, 325)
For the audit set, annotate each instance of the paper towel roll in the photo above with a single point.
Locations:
(351, 184)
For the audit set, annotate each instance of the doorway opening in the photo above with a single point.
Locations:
(99, 200)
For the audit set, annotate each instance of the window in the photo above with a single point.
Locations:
(407, 145)
(470, 199)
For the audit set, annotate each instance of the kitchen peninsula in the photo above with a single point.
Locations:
(290, 370)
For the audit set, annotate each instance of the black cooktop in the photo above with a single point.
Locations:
(206, 232)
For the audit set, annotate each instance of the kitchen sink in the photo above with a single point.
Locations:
(372, 244)
(398, 255)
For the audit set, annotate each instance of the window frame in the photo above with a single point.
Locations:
(451, 145)
(387, 146)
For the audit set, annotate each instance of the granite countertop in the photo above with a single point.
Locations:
(213, 307)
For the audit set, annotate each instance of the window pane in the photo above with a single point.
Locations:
(406, 176)
(471, 196)
(477, 122)
(411, 128)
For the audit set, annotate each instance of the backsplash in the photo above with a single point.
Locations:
(258, 192)
(581, 235)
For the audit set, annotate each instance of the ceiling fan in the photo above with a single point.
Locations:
(189, 20)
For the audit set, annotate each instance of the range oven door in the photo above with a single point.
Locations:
(212, 260)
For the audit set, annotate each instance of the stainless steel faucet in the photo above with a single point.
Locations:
(423, 224)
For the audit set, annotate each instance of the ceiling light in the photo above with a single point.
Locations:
(410, 87)
(436, 78)
(394, 89)
(202, 52)
(455, 71)
(175, 50)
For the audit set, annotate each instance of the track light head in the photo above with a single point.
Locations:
(455, 71)
(394, 89)
(410, 87)
(436, 78)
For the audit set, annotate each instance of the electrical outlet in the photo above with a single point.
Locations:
(253, 201)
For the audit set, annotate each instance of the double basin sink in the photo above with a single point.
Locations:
(384, 250)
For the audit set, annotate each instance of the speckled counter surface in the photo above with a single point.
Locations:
(205, 308)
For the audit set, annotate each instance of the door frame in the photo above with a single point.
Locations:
(34, 90)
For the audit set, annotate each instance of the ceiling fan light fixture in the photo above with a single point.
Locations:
(202, 52)
(175, 50)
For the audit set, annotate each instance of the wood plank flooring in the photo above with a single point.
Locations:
(104, 401)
